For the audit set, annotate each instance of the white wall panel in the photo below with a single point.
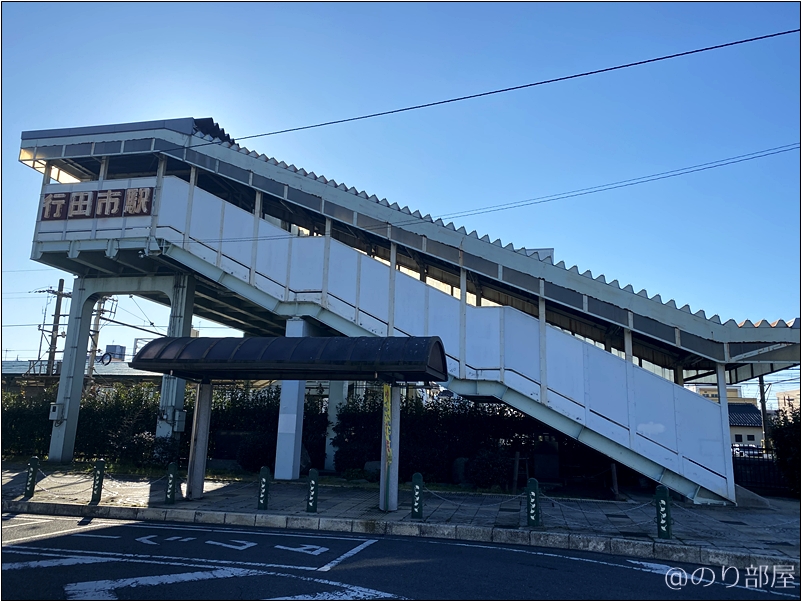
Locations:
(657, 453)
(268, 286)
(567, 407)
(205, 222)
(522, 343)
(444, 320)
(306, 269)
(654, 408)
(698, 474)
(234, 268)
(609, 429)
(482, 337)
(373, 325)
(271, 252)
(173, 204)
(237, 234)
(523, 385)
(374, 287)
(342, 272)
(564, 362)
(699, 424)
(607, 385)
(410, 301)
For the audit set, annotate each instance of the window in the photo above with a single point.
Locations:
(750, 437)
(739, 438)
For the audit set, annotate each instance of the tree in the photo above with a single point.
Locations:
(786, 436)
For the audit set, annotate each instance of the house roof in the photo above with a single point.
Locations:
(745, 414)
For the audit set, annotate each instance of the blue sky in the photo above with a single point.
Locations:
(725, 240)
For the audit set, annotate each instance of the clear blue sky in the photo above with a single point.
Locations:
(725, 240)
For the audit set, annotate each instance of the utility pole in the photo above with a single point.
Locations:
(95, 335)
(763, 411)
(51, 356)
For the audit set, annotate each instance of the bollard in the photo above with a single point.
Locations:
(264, 485)
(97, 485)
(417, 496)
(169, 496)
(663, 503)
(311, 503)
(30, 481)
(533, 518)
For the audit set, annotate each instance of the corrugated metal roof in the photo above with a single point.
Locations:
(745, 414)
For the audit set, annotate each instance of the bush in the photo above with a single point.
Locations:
(786, 437)
(489, 467)
(26, 426)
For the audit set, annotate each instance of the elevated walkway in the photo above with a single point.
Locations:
(261, 242)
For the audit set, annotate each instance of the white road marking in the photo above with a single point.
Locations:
(305, 549)
(125, 557)
(33, 522)
(48, 535)
(179, 538)
(151, 527)
(147, 540)
(104, 590)
(244, 545)
(95, 536)
(37, 564)
(356, 550)
(651, 567)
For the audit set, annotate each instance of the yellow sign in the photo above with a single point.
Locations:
(388, 417)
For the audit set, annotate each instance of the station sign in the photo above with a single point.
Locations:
(90, 204)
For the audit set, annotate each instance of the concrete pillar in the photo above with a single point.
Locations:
(199, 445)
(291, 415)
(541, 314)
(338, 392)
(180, 325)
(628, 344)
(71, 382)
(721, 383)
(391, 423)
(679, 376)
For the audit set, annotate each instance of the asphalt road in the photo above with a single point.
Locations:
(58, 558)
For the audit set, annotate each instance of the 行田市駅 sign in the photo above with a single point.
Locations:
(97, 203)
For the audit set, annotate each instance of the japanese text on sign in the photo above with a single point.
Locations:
(97, 203)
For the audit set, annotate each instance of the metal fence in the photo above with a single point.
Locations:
(756, 469)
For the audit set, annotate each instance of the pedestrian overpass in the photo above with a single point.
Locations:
(177, 212)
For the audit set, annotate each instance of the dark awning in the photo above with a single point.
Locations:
(394, 359)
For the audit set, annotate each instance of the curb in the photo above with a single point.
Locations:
(668, 551)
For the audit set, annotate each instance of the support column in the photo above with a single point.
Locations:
(180, 325)
(71, 382)
(541, 315)
(721, 383)
(388, 480)
(338, 392)
(291, 415)
(199, 445)
(763, 415)
(628, 344)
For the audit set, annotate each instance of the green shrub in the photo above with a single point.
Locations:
(26, 425)
(489, 467)
(786, 437)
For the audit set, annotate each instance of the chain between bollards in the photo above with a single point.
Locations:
(533, 516)
(311, 500)
(264, 485)
(663, 503)
(30, 481)
(172, 481)
(97, 484)
(417, 496)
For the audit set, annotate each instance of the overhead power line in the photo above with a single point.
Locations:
(524, 86)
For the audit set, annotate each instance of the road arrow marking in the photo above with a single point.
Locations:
(305, 549)
(244, 545)
(147, 540)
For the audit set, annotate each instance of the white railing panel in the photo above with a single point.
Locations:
(173, 203)
(699, 423)
(607, 385)
(204, 229)
(564, 365)
(342, 273)
(270, 287)
(444, 320)
(306, 267)
(371, 324)
(482, 343)
(657, 453)
(522, 343)
(567, 407)
(654, 414)
(524, 386)
(237, 235)
(272, 252)
(374, 286)
(410, 300)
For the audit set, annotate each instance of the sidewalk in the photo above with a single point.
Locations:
(701, 534)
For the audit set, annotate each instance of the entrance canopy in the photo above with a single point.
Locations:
(392, 359)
